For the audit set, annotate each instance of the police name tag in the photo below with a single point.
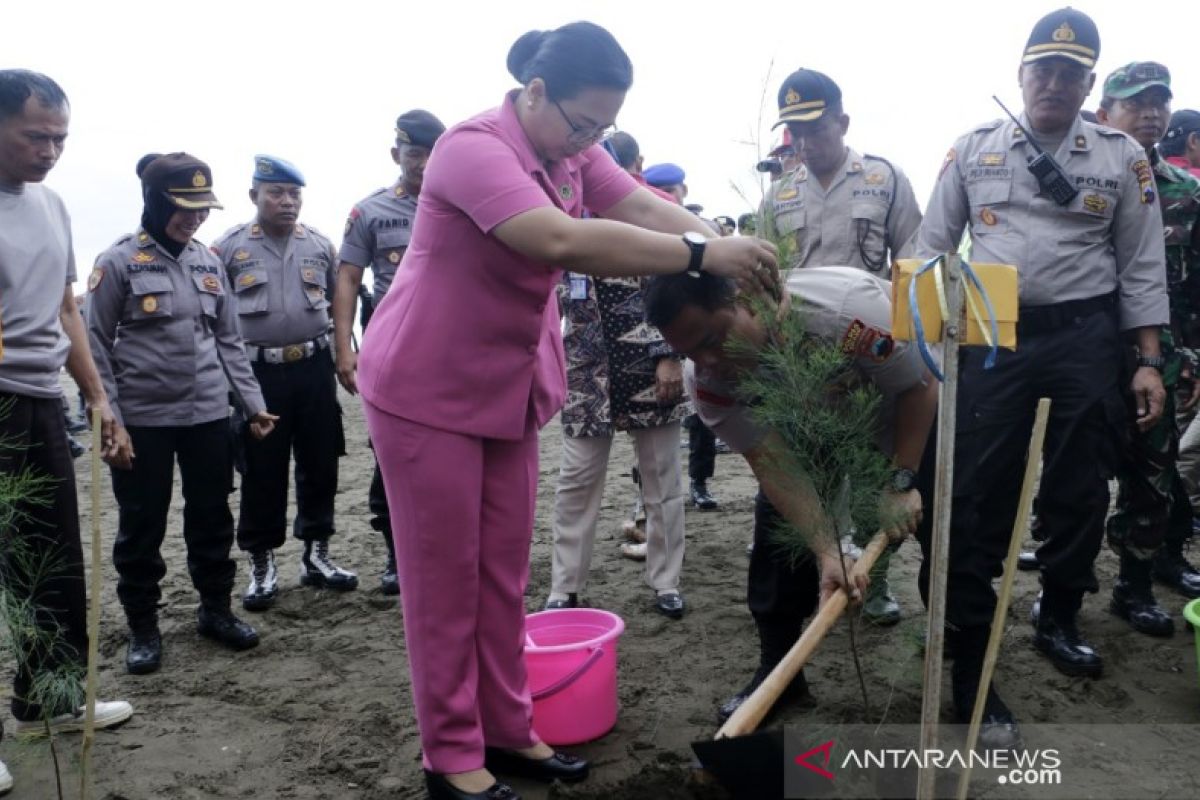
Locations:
(579, 286)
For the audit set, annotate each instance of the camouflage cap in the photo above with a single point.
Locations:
(1136, 78)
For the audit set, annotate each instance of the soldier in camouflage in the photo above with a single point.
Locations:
(1153, 517)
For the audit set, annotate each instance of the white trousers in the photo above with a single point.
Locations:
(577, 506)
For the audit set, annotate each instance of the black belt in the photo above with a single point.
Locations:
(1043, 319)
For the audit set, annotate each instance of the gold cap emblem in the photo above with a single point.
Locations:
(792, 97)
(198, 180)
(1064, 33)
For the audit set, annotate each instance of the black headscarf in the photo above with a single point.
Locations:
(157, 210)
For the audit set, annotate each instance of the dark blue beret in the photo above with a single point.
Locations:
(269, 169)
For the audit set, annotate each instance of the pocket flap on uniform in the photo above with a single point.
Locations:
(398, 237)
(875, 212)
(248, 279)
(986, 193)
(314, 273)
(143, 283)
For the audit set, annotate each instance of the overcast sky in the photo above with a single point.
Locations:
(321, 83)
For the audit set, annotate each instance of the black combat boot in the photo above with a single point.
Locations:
(145, 645)
(998, 728)
(1133, 601)
(214, 620)
(1172, 569)
(389, 581)
(317, 569)
(775, 639)
(1056, 635)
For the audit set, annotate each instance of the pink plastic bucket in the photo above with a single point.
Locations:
(571, 658)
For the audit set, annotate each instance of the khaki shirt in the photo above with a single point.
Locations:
(282, 297)
(1108, 239)
(165, 337)
(377, 234)
(840, 305)
(845, 223)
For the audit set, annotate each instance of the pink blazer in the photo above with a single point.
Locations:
(468, 337)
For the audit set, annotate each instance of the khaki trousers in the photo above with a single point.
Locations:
(577, 506)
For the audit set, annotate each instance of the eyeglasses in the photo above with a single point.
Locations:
(585, 135)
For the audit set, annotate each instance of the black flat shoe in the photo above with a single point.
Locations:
(670, 604)
(558, 767)
(441, 789)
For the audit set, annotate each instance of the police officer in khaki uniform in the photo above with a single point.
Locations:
(377, 234)
(1088, 244)
(841, 306)
(165, 338)
(282, 273)
(838, 206)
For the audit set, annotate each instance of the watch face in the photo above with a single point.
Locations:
(903, 480)
(694, 238)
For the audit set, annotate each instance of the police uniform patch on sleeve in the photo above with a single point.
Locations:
(950, 156)
(859, 339)
(349, 225)
(1141, 168)
(95, 278)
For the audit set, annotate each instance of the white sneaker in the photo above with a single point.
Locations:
(6, 781)
(107, 715)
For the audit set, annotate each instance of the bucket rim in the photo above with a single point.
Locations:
(1191, 612)
(616, 628)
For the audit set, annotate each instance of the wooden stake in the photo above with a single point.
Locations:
(943, 495)
(1020, 529)
(89, 714)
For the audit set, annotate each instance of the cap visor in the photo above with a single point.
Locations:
(800, 116)
(1130, 91)
(196, 203)
(1079, 58)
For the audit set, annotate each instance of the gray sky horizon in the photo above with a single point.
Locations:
(321, 85)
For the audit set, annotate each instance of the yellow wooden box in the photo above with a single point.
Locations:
(1002, 288)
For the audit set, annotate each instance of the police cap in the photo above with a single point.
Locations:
(418, 127)
(183, 179)
(1182, 123)
(806, 95)
(1065, 33)
(661, 175)
(1136, 78)
(269, 169)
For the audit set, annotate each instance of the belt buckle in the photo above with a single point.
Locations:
(293, 352)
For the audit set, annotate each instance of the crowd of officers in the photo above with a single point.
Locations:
(262, 320)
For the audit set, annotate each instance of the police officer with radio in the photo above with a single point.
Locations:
(377, 234)
(282, 273)
(1073, 206)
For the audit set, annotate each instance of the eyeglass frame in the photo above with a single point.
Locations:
(593, 134)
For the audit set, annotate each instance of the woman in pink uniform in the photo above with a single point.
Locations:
(464, 364)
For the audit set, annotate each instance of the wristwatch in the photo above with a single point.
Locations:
(903, 480)
(1155, 362)
(695, 242)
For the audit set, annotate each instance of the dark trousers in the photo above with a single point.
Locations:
(40, 556)
(1076, 367)
(304, 396)
(780, 592)
(144, 498)
(702, 449)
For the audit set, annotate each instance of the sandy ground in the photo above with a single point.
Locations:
(321, 708)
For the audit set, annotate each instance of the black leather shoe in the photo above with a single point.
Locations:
(1133, 600)
(1060, 641)
(223, 627)
(1173, 570)
(145, 651)
(572, 601)
(701, 498)
(441, 789)
(389, 581)
(1028, 562)
(670, 604)
(796, 692)
(558, 767)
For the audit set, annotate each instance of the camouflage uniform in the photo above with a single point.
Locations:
(1152, 504)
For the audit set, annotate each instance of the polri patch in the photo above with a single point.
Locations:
(95, 278)
(1141, 169)
(860, 338)
(950, 156)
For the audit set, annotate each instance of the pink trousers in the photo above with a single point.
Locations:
(462, 518)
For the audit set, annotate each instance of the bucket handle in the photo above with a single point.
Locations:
(565, 681)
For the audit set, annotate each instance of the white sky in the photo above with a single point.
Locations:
(321, 83)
